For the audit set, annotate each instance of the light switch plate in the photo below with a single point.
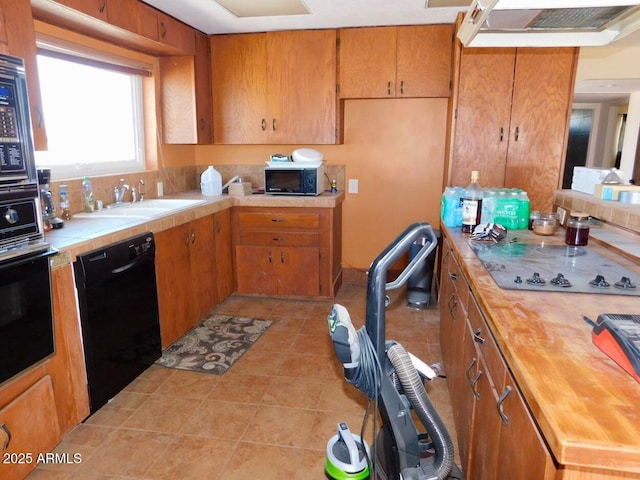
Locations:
(353, 185)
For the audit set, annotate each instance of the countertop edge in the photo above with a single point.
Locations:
(515, 321)
(76, 237)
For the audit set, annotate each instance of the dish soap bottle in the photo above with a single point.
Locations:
(64, 203)
(87, 195)
(472, 204)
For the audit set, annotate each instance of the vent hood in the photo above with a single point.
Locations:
(548, 23)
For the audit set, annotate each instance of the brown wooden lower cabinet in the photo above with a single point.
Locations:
(287, 251)
(185, 272)
(29, 429)
(497, 436)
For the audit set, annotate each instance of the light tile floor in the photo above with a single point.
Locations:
(269, 417)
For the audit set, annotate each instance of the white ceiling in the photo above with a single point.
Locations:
(210, 17)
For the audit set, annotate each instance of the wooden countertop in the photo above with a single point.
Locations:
(586, 406)
(81, 235)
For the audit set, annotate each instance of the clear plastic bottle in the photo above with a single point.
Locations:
(65, 207)
(88, 203)
(472, 204)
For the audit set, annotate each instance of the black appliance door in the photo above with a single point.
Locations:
(26, 319)
(119, 315)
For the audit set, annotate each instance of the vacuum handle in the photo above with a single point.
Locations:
(416, 261)
(345, 434)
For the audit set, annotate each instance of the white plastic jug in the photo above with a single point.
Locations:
(211, 182)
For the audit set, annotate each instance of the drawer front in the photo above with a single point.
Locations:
(278, 221)
(280, 238)
(486, 345)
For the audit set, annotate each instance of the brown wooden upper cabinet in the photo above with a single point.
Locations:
(274, 87)
(383, 62)
(512, 117)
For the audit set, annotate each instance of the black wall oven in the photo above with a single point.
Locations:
(26, 318)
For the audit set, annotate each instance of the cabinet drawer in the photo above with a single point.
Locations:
(278, 221)
(485, 344)
(29, 426)
(459, 282)
(281, 238)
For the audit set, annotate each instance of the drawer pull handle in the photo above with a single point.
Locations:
(517, 134)
(263, 124)
(503, 416)
(388, 88)
(471, 365)
(281, 257)
(279, 239)
(193, 236)
(477, 338)
(402, 87)
(454, 276)
(501, 134)
(270, 259)
(5, 429)
(452, 303)
(476, 393)
(277, 220)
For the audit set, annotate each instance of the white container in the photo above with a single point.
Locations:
(211, 182)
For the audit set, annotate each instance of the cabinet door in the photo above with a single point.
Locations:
(367, 62)
(239, 82)
(172, 274)
(224, 263)
(462, 394)
(203, 89)
(176, 34)
(22, 43)
(539, 121)
(133, 16)
(202, 268)
(94, 8)
(28, 426)
(255, 270)
(298, 271)
(301, 76)
(424, 61)
(523, 453)
(178, 100)
(482, 115)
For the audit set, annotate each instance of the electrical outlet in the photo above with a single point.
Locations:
(160, 189)
(353, 185)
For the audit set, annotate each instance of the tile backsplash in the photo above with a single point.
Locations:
(174, 180)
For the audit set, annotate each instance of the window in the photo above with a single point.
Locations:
(94, 118)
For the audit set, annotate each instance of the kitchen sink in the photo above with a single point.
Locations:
(145, 209)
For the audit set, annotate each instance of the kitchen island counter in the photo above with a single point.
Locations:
(585, 406)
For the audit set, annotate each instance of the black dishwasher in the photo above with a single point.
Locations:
(119, 314)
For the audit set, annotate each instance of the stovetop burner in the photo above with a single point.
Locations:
(539, 267)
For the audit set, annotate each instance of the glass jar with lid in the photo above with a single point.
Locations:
(577, 233)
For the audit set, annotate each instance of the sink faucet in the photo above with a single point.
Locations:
(119, 190)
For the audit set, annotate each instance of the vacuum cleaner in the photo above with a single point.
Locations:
(392, 379)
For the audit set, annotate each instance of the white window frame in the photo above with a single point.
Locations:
(66, 171)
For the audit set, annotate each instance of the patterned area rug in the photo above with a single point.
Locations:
(214, 345)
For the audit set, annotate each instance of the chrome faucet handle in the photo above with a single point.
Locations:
(141, 189)
(133, 195)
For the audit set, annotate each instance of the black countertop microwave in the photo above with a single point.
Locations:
(291, 179)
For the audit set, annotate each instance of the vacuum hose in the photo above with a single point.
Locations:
(417, 395)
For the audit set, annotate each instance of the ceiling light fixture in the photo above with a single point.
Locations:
(264, 8)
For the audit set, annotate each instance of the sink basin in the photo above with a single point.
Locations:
(165, 203)
(145, 209)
